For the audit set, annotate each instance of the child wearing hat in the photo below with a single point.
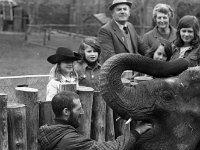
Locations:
(88, 68)
(61, 72)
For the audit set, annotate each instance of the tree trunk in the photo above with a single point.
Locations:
(29, 97)
(86, 97)
(17, 127)
(110, 131)
(3, 122)
(46, 115)
(98, 117)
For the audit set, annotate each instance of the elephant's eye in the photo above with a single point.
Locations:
(167, 96)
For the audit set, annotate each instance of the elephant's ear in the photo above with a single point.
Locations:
(125, 100)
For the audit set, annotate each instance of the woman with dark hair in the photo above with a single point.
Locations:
(160, 51)
(88, 68)
(187, 42)
(162, 16)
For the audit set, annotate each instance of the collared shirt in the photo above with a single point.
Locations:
(126, 37)
(192, 54)
(121, 26)
(183, 51)
(88, 76)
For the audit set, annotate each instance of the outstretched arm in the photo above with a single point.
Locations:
(127, 140)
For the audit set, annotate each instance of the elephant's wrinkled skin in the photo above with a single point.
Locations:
(171, 104)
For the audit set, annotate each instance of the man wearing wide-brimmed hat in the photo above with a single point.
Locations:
(62, 71)
(119, 35)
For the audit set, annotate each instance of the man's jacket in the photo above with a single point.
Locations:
(112, 41)
(66, 137)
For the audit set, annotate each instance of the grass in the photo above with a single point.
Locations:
(17, 57)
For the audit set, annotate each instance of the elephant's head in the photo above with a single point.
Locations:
(171, 104)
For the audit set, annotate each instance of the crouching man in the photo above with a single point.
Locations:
(64, 136)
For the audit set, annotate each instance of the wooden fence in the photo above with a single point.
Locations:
(23, 110)
(51, 36)
(21, 118)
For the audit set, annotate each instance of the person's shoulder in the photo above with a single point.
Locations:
(131, 28)
(75, 140)
(53, 81)
(107, 25)
(173, 29)
(79, 65)
(174, 48)
(129, 23)
(150, 32)
(106, 29)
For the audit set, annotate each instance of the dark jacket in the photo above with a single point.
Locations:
(112, 41)
(192, 55)
(66, 137)
(88, 76)
(153, 36)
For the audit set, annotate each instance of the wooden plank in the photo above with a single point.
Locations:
(29, 96)
(110, 130)
(17, 127)
(98, 118)
(46, 115)
(86, 97)
(3, 122)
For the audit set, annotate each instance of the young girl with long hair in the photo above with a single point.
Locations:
(88, 68)
(187, 43)
(63, 70)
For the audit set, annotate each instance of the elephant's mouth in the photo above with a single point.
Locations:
(151, 132)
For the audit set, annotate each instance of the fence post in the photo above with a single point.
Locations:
(29, 96)
(3, 122)
(26, 36)
(99, 117)
(86, 97)
(49, 34)
(46, 115)
(45, 36)
(17, 126)
(110, 130)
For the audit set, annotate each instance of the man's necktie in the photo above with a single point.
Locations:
(125, 29)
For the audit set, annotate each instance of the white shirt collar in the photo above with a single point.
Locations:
(64, 79)
(121, 26)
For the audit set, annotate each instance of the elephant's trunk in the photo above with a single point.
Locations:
(125, 100)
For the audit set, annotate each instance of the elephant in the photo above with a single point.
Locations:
(170, 101)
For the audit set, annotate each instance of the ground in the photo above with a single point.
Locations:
(17, 57)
